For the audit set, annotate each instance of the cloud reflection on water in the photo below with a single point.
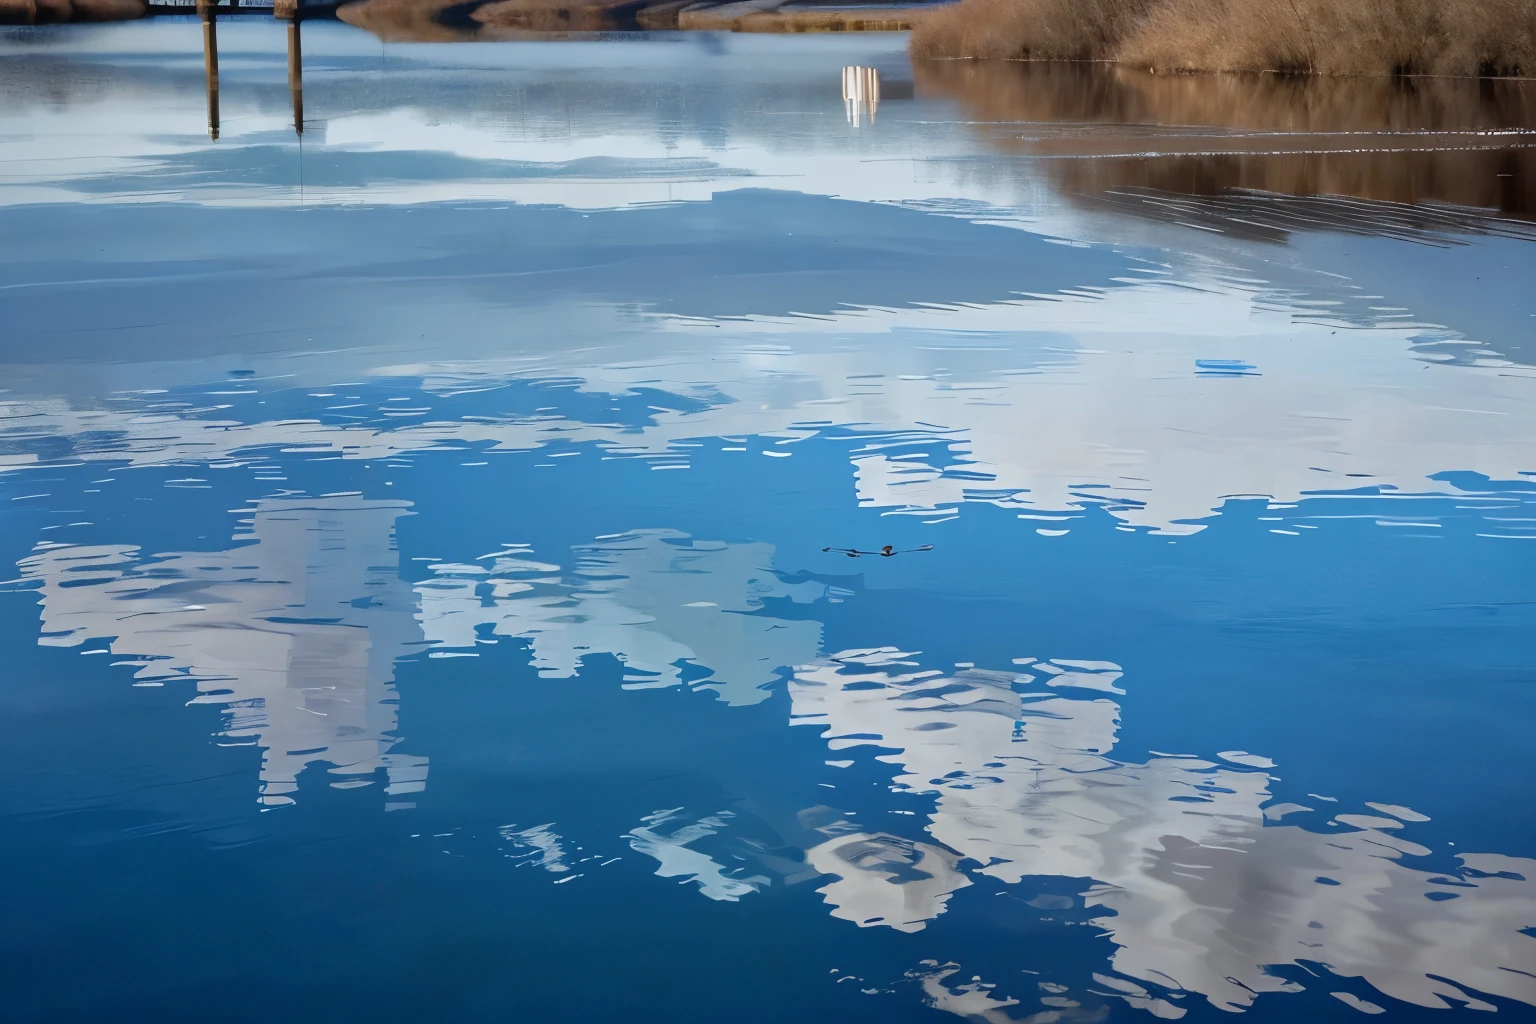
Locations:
(294, 632)
(1199, 880)
(1199, 892)
(657, 600)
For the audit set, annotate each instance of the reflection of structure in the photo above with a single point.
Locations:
(207, 12)
(1443, 142)
(296, 73)
(1204, 894)
(211, 65)
(655, 600)
(294, 634)
(861, 93)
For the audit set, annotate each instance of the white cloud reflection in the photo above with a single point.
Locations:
(657, 600)
(294, 632)
(1185, 862)
(1202, 894)
(1050, 398)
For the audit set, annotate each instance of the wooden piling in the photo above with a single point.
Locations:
(205, 11)
(296, 74)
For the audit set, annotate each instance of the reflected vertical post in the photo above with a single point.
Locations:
(205, 11)
(296, 73)
(861, 93)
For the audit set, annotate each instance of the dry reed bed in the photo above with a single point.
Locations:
(1333, 37)
(863, 19)
(443, 20)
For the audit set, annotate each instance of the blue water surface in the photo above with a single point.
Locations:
(429, 598)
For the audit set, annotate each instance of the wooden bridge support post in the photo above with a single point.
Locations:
(205, 11)
(296, 74)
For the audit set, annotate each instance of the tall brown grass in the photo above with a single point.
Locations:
(853, 19)
(1337, 37)
(558, 15)
(1029, 29)
(463, 20)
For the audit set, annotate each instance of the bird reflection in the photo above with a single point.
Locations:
(1198, 874)
(861, 93)
(885, 552)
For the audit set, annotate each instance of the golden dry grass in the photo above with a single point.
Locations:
(1339, 37)
(445, 20)
(771, 16)
(863, 19)
(1028, 29)
(557, 15)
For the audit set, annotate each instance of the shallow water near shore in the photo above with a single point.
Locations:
(428, 597)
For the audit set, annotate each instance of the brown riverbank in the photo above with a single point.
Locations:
(688, 15)
(42, 12)
(446, 20)
(402, 20)
(771, 16)
(1333, 37)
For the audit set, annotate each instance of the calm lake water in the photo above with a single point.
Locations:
(420, 604)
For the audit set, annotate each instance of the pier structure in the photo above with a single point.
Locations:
(206, 13)
(290, 11)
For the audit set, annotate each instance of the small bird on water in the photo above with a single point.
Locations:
(885, 552)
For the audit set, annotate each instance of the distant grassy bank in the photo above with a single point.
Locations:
(442, 20)
(517, 19)
(1331, 37)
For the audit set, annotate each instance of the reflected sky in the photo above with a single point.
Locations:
(421, 602)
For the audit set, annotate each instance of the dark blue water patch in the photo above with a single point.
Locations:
(1476, 289)
(163, 275)
(406, 908)
(257, 163)
(1481, 483)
